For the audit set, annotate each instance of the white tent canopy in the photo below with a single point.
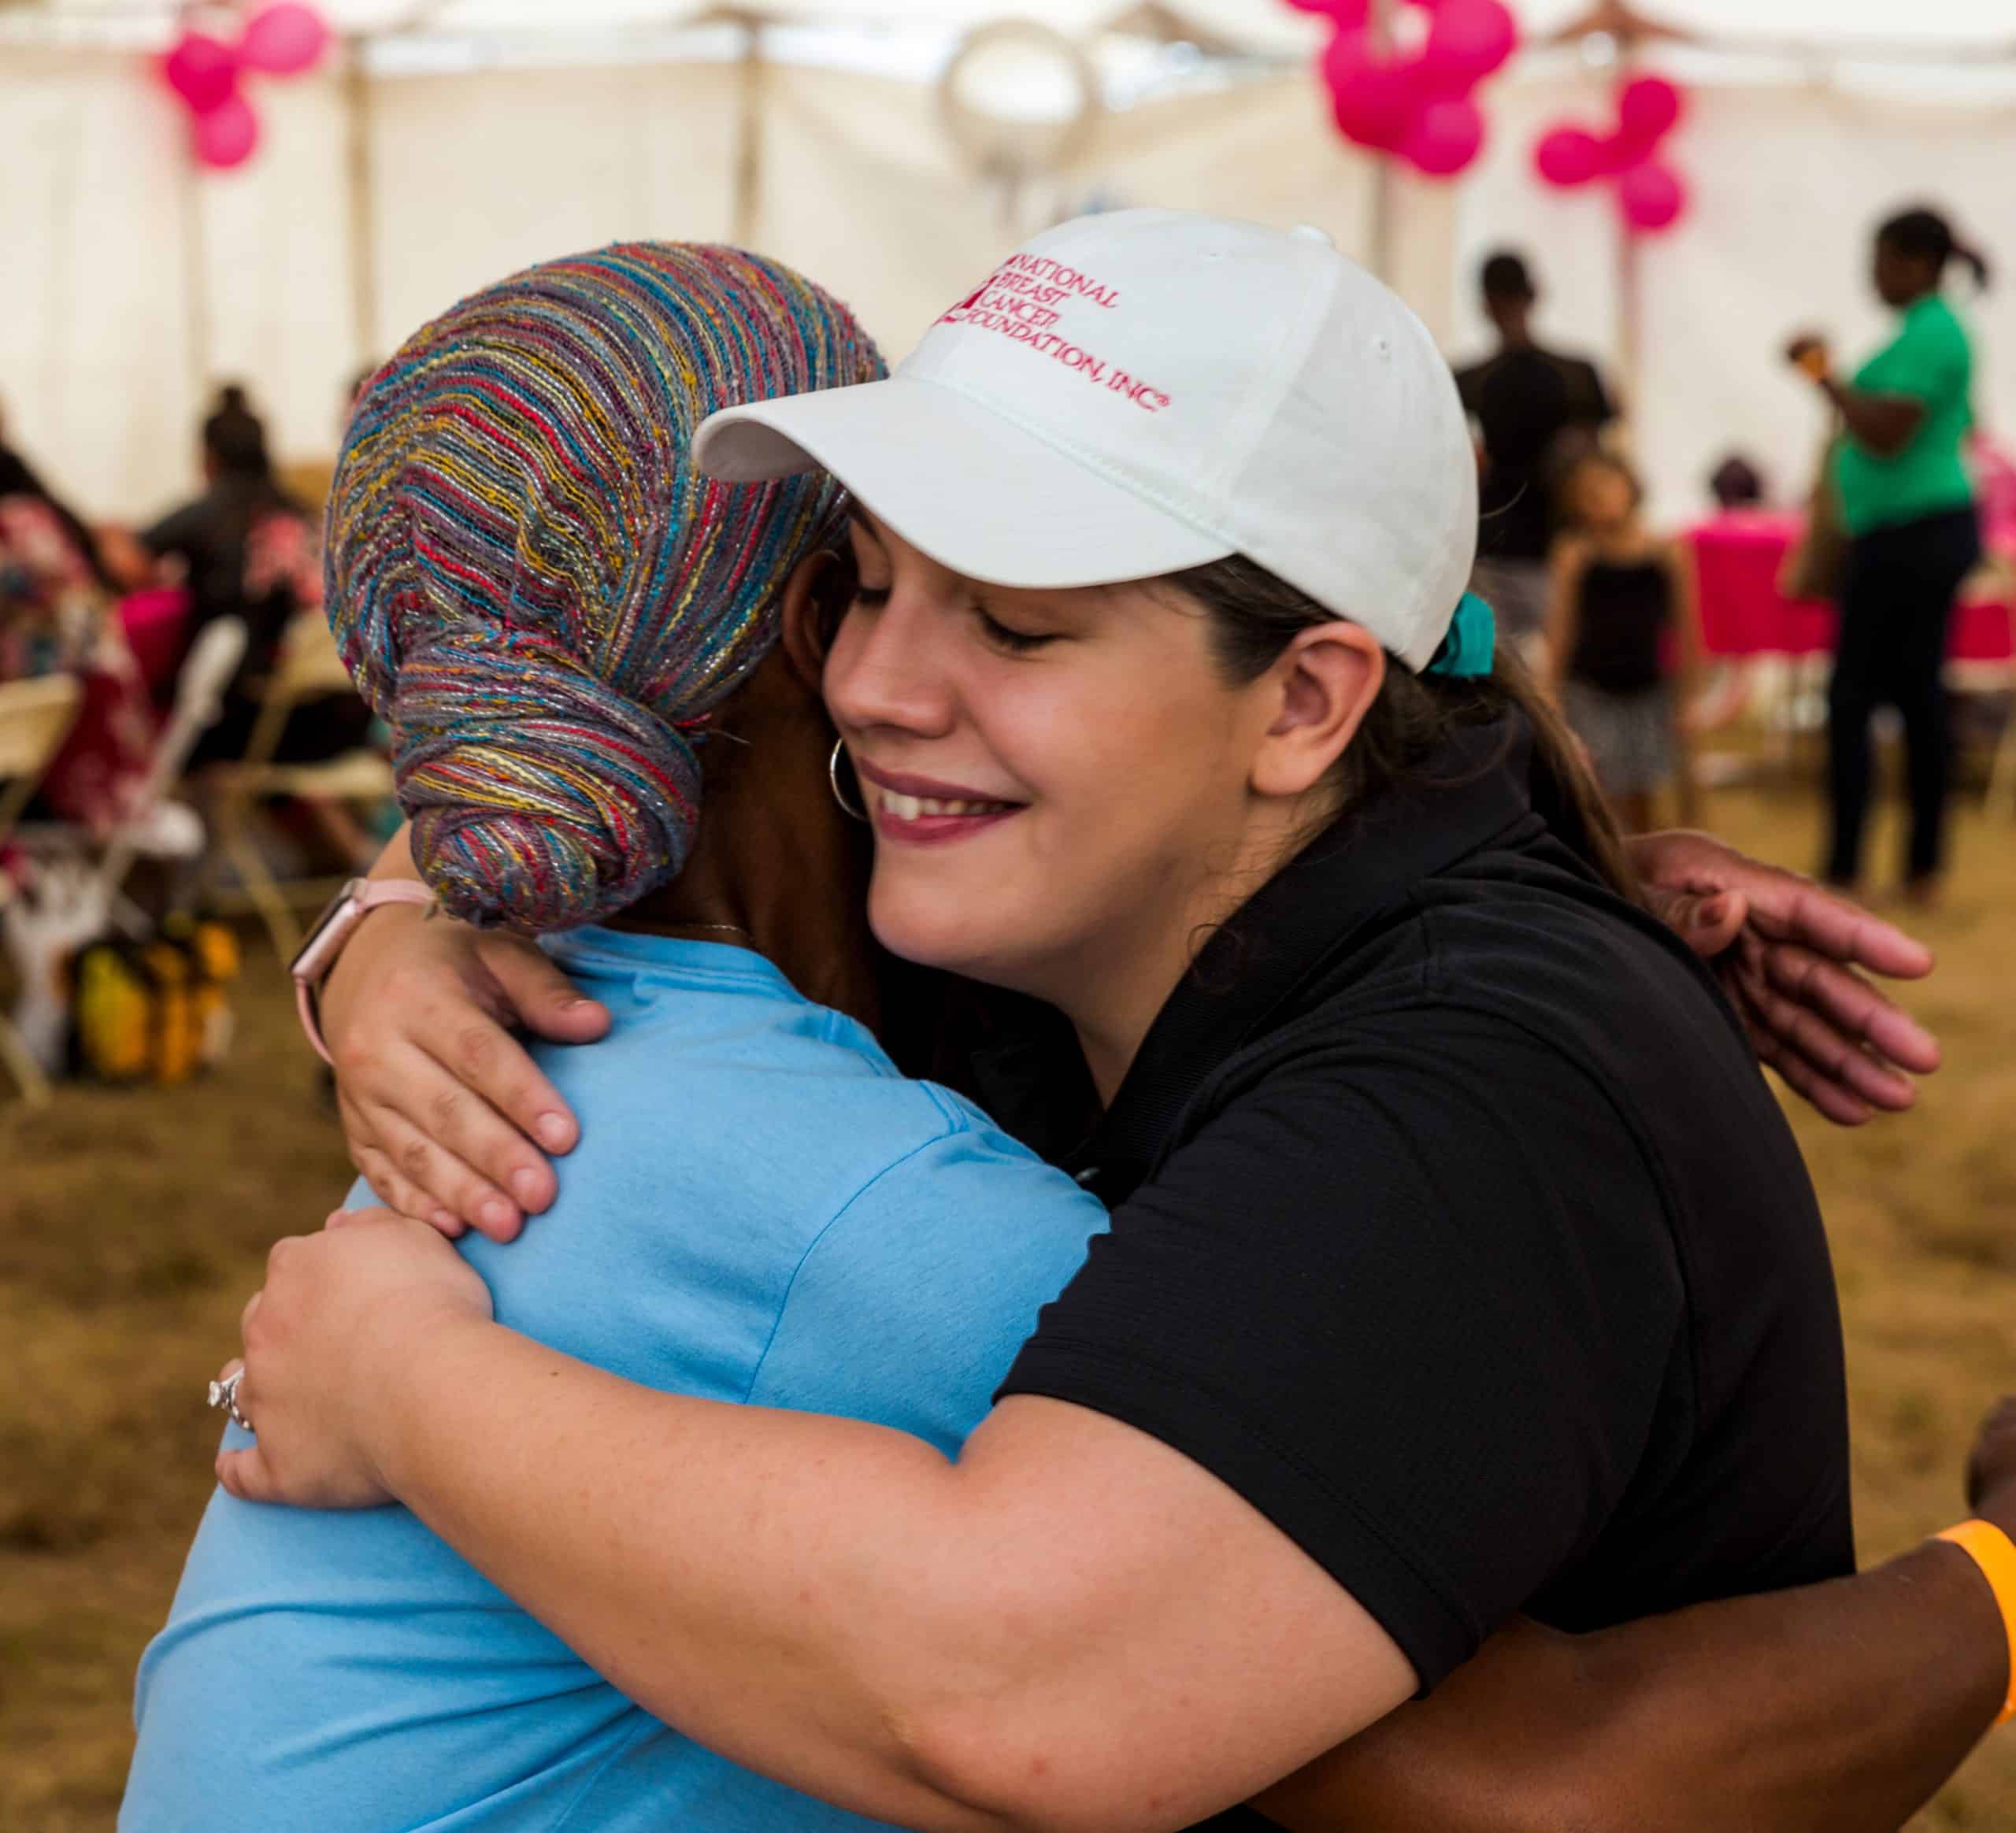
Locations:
(475, 136)
(1261, 24)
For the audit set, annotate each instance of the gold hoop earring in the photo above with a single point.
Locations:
(833, 777)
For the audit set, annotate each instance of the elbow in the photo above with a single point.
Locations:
(997, 1769)
(964, 1756)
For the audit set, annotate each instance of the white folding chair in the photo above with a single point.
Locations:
(36, 717)
(308, 667)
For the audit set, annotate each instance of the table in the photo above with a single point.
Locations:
(1739, 556)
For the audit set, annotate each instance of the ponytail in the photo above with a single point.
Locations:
(1926, 235)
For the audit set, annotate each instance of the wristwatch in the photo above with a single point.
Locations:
(348, 909)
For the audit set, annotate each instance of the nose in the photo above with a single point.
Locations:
(889, 669)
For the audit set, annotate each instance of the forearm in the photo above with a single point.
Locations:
(1837, 1708)
(739, 1571)
(1036, 1639)
(1884, 423)
(396, 860)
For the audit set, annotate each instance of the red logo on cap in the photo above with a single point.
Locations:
(1026, 296)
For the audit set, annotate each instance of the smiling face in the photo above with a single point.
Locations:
(1063, 784)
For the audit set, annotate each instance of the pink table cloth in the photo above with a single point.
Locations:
(153, 622)
(1739, 556)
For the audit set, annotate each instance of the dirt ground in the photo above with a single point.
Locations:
(132, 1227)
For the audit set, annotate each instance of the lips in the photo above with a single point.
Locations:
(923, 809)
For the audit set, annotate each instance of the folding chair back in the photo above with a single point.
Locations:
(36, 717)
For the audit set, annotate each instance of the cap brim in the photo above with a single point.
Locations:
(955, 479)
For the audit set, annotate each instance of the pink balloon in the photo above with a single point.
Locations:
(1374, 100)
(226, 136)
(1652, 197)
(203, 70)
(1467, 40)
(1647, 109)
(285, 40)
(1567, 157)
(1446, 136)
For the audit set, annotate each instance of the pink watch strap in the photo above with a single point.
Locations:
(356, 901)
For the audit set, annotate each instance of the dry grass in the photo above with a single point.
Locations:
(132, 1227)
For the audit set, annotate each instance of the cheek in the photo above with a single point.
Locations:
(841, 656)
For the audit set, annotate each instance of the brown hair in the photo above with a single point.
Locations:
(1253, 616)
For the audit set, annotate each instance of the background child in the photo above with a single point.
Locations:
(1623, 638)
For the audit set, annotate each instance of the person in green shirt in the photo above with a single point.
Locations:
(1908, 502)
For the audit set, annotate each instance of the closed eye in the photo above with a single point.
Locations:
(1018, 642)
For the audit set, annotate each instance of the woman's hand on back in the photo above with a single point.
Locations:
(1786, 951)
(442, 1109)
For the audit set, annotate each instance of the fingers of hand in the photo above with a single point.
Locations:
(388, 1184)
(528, 1118)
(1708, 924)
(1825, 1094)
(1787, 908)
(544, 1000)
(1836, 1055)
(246, 1475)
(445, 1179)
(483, 1095)
(1851, 1005)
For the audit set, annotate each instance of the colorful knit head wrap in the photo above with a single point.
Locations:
(531, 583)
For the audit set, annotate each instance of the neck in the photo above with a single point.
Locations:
(774, 868)
(1113, 990)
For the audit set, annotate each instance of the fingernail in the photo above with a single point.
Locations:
(526, 1186)
(554, 1133)
(496, 1214)
(446, 1220)
(1714, 909)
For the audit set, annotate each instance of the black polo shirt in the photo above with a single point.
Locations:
(1454, 1227)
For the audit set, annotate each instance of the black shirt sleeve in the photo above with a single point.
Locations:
(1412, 1293)
(183, 531)
(1597, 408)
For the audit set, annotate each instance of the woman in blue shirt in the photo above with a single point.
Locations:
(1908, 501)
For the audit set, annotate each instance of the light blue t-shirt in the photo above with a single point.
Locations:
(760, 1210)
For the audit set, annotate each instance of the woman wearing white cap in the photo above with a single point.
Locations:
(1429, 1295)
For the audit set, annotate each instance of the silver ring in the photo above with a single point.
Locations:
(224, 1393)
(833, 777)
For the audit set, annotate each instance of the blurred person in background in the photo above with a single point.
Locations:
(244, 548)
(1623, 639)
(19, 479)
(1736, 484)
(1908, 500)
(1523, 399)
(57, 618)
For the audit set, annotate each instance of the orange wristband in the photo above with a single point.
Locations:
(1990, 1549)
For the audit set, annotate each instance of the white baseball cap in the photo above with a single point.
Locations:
(1132, 394)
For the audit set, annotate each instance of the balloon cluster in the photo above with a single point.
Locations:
(1420, 105)
(1650, 195)
(281, 40)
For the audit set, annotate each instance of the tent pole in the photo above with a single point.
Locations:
(748, 192)
(195, 283)
(1384, 205)
(361, 202)
(1630, 276)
